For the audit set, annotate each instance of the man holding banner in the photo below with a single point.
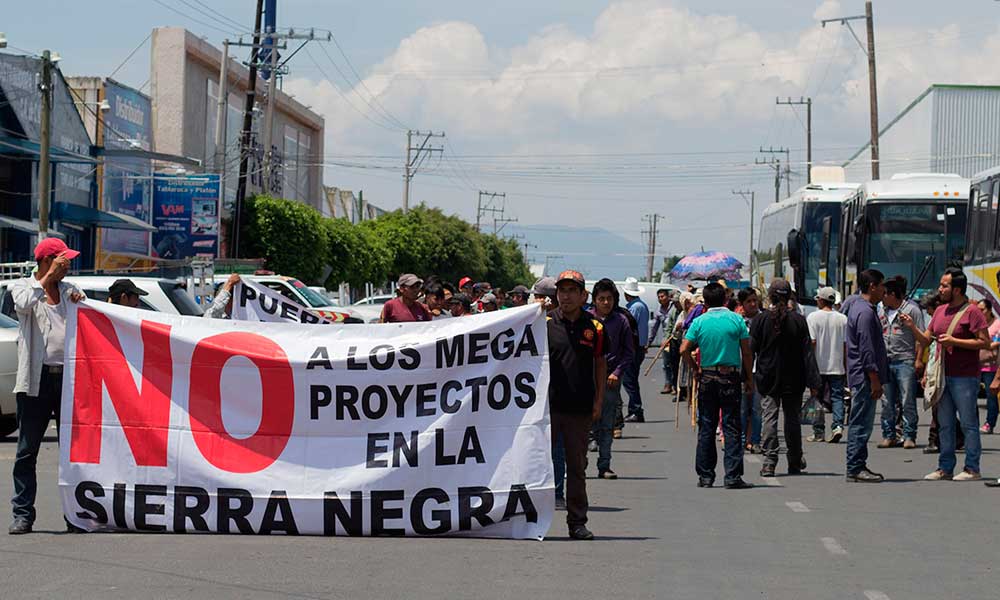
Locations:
(578, 372)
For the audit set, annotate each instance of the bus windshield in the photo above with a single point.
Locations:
(812, 225)
(902, 236)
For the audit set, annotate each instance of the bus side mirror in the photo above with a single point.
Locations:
(794, 248)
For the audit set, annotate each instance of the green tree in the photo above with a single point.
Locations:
(290, 235)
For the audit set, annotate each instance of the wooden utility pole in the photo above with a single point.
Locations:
(45, 143)
(808, 103)
(414, 157)
(869, 51)
(651, 243)
(246, 134)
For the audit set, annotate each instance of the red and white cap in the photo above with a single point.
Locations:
(54, 246)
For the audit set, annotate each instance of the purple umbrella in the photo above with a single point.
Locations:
(707, 265)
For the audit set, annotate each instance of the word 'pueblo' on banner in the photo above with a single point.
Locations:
(180, 424)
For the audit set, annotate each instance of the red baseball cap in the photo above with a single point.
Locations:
(574, 276)
(464, 282)
(53, 246)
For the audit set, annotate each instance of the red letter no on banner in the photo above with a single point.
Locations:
(260, 450)
(144, 414)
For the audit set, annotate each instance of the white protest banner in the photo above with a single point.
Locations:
(255, 302)
(179, 424)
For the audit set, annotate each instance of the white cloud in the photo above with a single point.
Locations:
(828, 9)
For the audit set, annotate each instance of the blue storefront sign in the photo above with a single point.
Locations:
(127, 182)
(186, 216)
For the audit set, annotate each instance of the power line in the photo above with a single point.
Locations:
(196, 20)
(350, 65)
(345, 98)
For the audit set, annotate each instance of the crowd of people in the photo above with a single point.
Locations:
(744, 359)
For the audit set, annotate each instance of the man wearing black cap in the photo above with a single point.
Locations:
(405, 308)
(786, 364)
(578, 372)
(125, 293)
(460, 305)
(518, 296)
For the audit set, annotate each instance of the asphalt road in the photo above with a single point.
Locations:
(658, 536)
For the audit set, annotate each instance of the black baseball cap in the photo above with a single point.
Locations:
(125, 286)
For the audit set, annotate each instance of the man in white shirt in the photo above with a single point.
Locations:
(828, 329)
(40, 301)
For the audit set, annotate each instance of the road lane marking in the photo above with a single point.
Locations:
(771, 482)
(752, 459)
(832, 546)
(797, 507)
(875, 595)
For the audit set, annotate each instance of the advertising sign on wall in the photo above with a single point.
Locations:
(186, 216)
(127, 182)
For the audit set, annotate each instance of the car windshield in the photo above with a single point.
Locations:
(6, 322)
(314, 298)
(179, 298)
(904, 235)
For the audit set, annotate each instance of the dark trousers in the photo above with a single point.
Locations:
(719, 393)
(574, 429)
(630, 381)
(33, 414)
(790, 405)
(934, 434)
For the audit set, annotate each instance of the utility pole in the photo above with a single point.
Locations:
(221, 122)
(775, 164)
(272, 100)
(526, 246)
(45, 142)
(753, 215)
(482, 209)
(652, 219)
(808, 102)
(414, 157)
(869, 51)
(246, 133)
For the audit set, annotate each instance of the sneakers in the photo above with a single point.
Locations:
(20, 526)
(738, 484)
(909, 444)
(767, 471)
(756, 449)
(931, 449)
(635, 418)
(836, 435)
(593, 446)
(609, 474)
(865, 476)
(616, 434)
(705, 482)
(968, 475)
(580, 532)
(993, 483)
(815, 438)
(888, 443)
(986, 429)
(938, 475)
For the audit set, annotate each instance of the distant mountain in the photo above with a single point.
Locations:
(593, 251)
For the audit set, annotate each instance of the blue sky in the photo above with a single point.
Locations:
(586, 113)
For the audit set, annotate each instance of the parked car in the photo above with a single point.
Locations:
(370, 308)
(8, 375)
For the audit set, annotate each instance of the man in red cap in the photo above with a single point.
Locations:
(577, 378)
(40, 301)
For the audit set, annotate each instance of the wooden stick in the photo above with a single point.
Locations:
(677, 408)
(694, 401)
(655, 358)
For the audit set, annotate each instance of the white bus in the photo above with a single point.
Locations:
(982, 248)
(911, 225)
(799, 239)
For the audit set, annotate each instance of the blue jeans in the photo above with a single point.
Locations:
(609, 410)
(750, 417)
(860, 425)
(834, 383)
(960, 396)
(992, 406)
(33, 414)
(559, 462)
(719, 393)
(900, 389)
(630, 381)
